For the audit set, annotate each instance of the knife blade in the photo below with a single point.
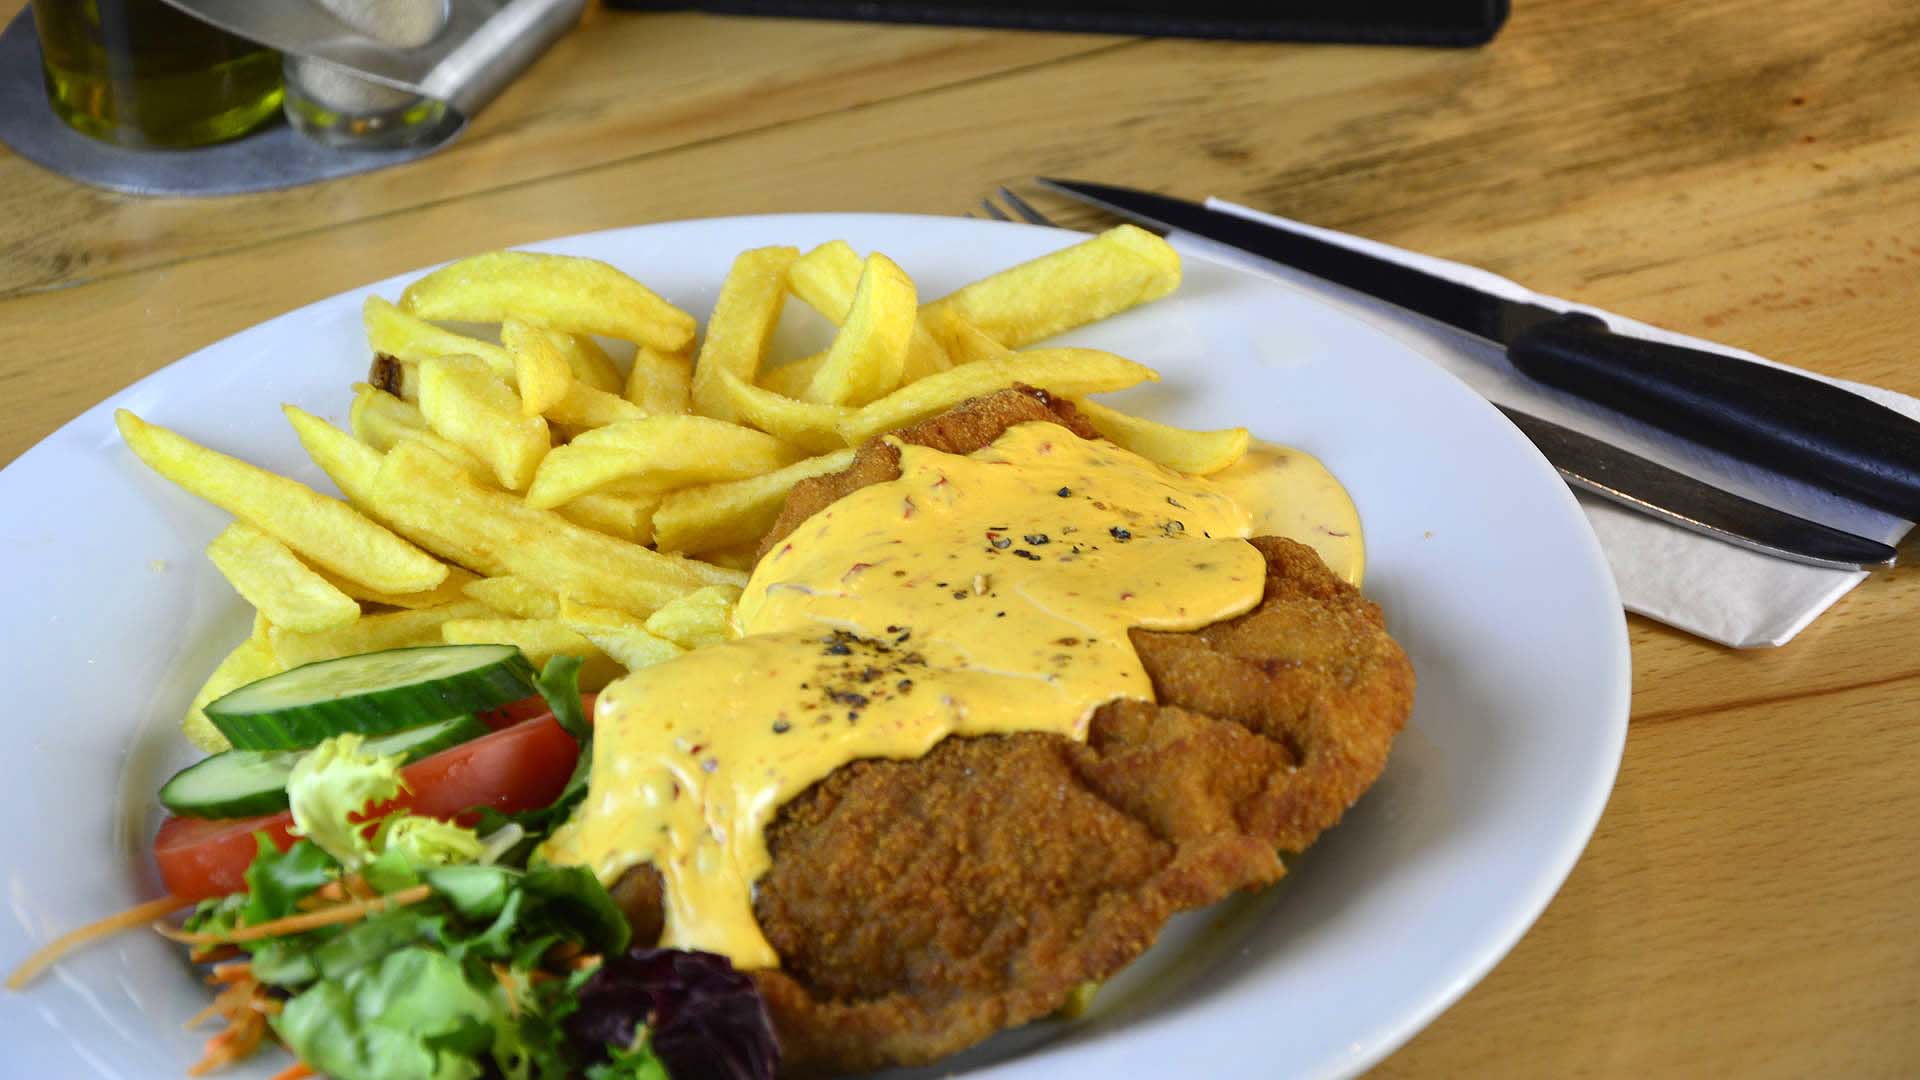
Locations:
(1771, 417)
(1590, 465)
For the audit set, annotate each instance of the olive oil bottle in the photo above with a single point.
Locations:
(139, 73)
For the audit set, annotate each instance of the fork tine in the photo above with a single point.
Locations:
(993, 211)
(1023, 208)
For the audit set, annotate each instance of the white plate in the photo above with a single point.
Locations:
(1486, 568)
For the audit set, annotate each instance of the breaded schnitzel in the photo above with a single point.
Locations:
(919, 906)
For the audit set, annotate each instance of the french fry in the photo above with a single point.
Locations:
(474, 410)
(541, 374)
(369, 633)
(618, 634)
(1198, 453)
(661, 383)
(325, 530)
(826, 278)
(815, 428)
(514, 596)
(629, 517)
(589, 363)
(739, 557)
(870, 351)
(447, 592)
(274, 580)
(382, 420)
(1066, 372)
(1121, 268)
(735, 512)
(395, 376)
(964, 342)
(498, 534)
(743, 319)
(656, 453)
(348, 462)
(791, 380)
(541, 640)
(583, 407)
(701, 617)
(250, 661)
(581, 296)
(411, 339)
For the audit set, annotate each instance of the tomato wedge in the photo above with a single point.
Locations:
(519, 767)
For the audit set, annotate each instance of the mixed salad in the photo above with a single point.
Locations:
(366, 889)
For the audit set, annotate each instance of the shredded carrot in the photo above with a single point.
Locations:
(294, 924)
(299, 1070)
(231, 972)
(230, 1046)
(510, 986)
(50, 953)
(584, 961)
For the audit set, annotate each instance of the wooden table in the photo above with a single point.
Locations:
(1751, 901)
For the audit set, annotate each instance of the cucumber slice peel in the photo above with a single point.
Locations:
(246, 783)
(370, 694)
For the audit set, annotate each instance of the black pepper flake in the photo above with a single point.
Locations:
(1025, 554)
(1001, 542)
(1064, 492)
(1037, 539)
(1171, 501)
(961, 594)
(853, 717)
(1119, 533)
(839, 648)
(999, 614)
(998, 528)
(781, 727)
(903, 685)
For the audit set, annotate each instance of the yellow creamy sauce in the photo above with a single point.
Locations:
(1289, 493)
(973, 595)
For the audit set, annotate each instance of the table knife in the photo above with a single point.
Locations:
(1775, 418)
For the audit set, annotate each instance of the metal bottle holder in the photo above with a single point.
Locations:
(483, 46)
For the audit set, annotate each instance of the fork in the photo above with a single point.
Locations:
(1022, 209)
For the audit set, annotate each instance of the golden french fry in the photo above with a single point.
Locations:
(541, 640)
(514, 596)
(322, 529)
(815, 428)
(743, 318)
(738, 557)
(1062, 371)
(1196, 452)
(870, 351)
(541, 374)
(660, 383)
(589, 363)
(411, 339)
(618, 634)
(655, 453)
(1121, 268)
(964, 342)
(274, 580)
(382, 420)
(826, 278)
(498, 534)
(369, 633)
(734, 512)
(250, 661)
(629, 517)
(474, 410)
(581, 296)
(583, 407)
(348, 462)
(701, 617)
(447, 592)
(791, 379)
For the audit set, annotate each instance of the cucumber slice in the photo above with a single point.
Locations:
(370, 694)
(244, 783)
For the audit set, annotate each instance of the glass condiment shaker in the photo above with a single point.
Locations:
(331, 104)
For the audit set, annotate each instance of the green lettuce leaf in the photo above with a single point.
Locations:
(277, 881)
(559, 683)
(413, 1016)
(333, 782)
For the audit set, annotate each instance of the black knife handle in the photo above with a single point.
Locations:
(1776, 419)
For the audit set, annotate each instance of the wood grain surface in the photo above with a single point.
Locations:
(1750, 904)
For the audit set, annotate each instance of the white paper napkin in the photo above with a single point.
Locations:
(1701, 585)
